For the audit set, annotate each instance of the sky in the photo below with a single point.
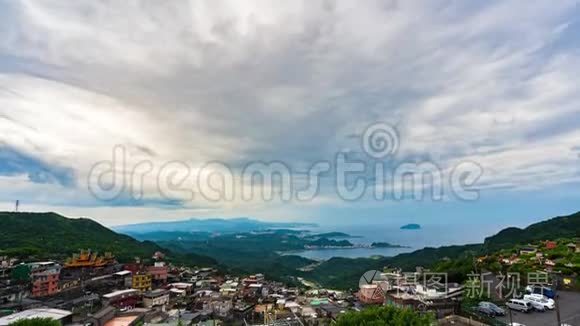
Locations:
(180, 90)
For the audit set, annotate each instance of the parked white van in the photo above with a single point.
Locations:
(519, 305)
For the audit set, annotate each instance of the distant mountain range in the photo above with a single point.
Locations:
(213, 225)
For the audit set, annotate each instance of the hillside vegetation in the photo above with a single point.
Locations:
(558, 227)
(53, 235)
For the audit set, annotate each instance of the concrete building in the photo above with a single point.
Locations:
(221, 308)
(158, 273)
(141, 282)
(528, 250)
(13, 292)
(180, 288)
(123, 298)
(154, 298)
(126, 278)
(101, 317)
(371, 294)
(45, 277)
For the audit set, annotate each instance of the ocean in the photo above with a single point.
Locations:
(427, 236)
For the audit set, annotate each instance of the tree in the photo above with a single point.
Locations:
(385, 316)
(36, 322)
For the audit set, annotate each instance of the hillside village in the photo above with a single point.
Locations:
(559, 257)
(94, 289)
(150, 285)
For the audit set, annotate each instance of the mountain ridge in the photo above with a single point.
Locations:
(222, 225)
(50, 234)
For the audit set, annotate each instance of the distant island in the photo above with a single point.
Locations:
(328, 243)
(411, 227)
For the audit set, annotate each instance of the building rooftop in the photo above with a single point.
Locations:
(181, 285)
(257, 285)
(120, 292)
(121, 321)
(43, 263)
(177, 291)
(56, 314)
(103, 312)
(529, 248)
(155, 293)
(123, 273)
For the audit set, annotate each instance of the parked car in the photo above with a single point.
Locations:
(485, 310)
(543, 290)
(519, 305)
(546, 302)
(490, 309)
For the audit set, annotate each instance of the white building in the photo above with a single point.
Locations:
(62, 316)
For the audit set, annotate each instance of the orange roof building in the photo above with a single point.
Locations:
(87, 258)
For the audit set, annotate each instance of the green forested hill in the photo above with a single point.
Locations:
(557, 227)
(50, 234)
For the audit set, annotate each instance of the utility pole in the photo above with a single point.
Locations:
(16, 205)
(557, 311)
(556, 302)
(511, 317)
(557, 306)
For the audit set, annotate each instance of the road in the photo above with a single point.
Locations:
(569, 313)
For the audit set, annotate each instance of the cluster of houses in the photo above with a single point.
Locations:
(538, 256)
(420, 290)
(89, 289)
(95, 290)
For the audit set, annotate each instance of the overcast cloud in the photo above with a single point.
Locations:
(239, 81)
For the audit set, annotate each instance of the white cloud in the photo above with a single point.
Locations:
(236, 81)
